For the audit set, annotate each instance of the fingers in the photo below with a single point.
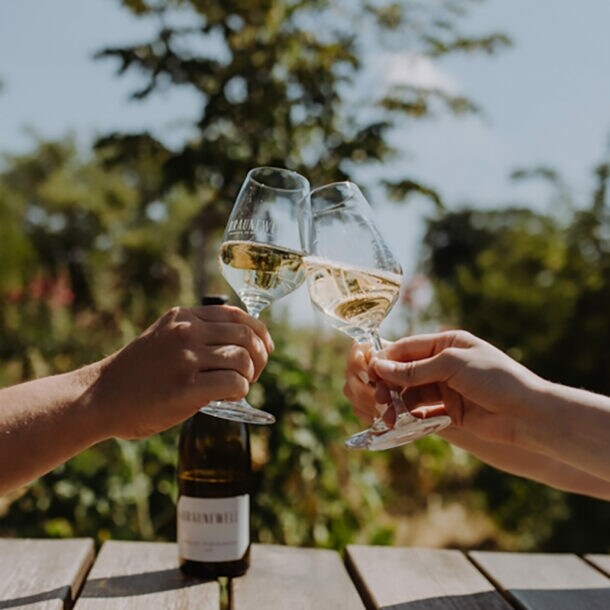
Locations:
(234, 315)
(422, 398)
(223, 341)
(358, 361)
(454, 404)
(430, 400)
(435, 369)
(422, 402)
(475, 422)
(186, 358)
(221, 385)
(230, 338)
(358, 387)
(360, 394)
(414, 397)
(382, 393)
(417, 347)
(428, 411)
(389, 415)
(229, 358)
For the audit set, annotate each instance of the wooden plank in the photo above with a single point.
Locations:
(539, 581)
(601, 562)
(295, 578)
(43, 574)
(142, 576)
(420, 579)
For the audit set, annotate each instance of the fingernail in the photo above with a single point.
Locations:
(385, 366)
(363, 376)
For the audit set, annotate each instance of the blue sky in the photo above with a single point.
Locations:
(546, 99)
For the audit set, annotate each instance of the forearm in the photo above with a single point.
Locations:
(530, 465)
(43, 423)
(572, 426)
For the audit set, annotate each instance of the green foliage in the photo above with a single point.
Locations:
(276, 82)
(309, 490)
(536, 285)
(80, 294)
(117, 489)
(329, 498)
(97, 244)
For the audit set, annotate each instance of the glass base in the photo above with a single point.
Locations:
(238, 410)
(406, 430)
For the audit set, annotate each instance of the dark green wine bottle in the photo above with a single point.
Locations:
(214, 486)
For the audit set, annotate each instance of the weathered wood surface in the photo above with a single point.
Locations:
(49, 575)
(601, 562)
(43, 574)
(420, 579)
(540, 581)
(144, 575)
(294, 578)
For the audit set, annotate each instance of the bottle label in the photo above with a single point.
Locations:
(213, 529)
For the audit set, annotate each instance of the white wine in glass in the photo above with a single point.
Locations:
(354, 280)
(262, 273)
(261, 256)
(356, 300)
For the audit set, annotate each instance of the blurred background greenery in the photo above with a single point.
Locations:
(95, 244)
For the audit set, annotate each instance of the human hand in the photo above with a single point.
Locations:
(482, 389)
(501, 411)
(358, 387)
(187, 358)
(369, 396)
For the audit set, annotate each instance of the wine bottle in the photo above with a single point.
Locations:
(214, 485)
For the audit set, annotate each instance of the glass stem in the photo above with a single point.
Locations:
(255, 306)
(254, 312)
(397, 402)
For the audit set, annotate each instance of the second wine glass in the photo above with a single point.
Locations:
(354, 280)
(261, 256)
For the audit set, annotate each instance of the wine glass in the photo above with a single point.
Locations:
(260, 256)
(354, 280)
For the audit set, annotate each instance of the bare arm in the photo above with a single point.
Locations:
(43, 423)
(529, 464)
(573, 426)
(496, 402)
(183, 361)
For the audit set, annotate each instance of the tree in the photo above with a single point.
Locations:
(92, 262)
(276, 81)
(110, 238)
(537, 285)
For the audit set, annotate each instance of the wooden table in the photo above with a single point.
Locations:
(65, 574)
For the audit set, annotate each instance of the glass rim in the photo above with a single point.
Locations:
(348, 183)
(353, 193)
(283, 170)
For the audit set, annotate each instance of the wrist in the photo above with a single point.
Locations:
(570, 425)
(88, 405)
(542, 417)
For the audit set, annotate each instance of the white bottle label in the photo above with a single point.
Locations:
(213, 529)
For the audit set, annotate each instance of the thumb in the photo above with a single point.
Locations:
(414, 373)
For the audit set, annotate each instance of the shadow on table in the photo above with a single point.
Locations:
(589, 599)
(138, 584)
(60, 593)
(488, 600)
(558, 599)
